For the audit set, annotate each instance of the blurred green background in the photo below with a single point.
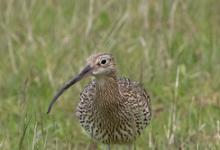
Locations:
(171, 46)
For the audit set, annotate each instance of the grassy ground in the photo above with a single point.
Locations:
(173, 47)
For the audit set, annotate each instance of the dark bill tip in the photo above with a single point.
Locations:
(86, 70)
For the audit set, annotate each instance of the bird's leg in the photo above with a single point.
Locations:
(108, 147)
(129, 147)
(134, 146)
(93, 146)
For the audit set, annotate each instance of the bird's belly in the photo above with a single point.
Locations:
(107, 132)
(110, 134)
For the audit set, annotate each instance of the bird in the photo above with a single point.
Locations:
(112, 110)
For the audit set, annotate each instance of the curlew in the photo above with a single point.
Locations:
(112, 110)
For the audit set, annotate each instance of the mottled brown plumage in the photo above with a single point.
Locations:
(112, 110)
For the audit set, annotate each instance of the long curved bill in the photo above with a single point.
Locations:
(84, 72)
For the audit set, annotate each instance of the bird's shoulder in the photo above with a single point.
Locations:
(132, 89)
(88, 91)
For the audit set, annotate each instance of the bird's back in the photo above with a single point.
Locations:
(132, 116)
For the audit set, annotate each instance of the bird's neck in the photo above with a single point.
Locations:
(108, 94)
(109, 101)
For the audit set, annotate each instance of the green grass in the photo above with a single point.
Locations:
(172, 47)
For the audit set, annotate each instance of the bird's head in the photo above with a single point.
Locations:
(99, 65)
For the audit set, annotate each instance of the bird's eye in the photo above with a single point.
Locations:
(103, 61)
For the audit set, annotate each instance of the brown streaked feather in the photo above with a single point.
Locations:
(121, 123)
